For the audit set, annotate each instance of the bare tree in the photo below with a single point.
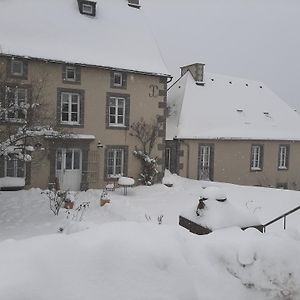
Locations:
(146, 133)
(22, 112)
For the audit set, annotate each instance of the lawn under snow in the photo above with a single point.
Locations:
(115, 253)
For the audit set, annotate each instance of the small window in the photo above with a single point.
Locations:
(117, 111)
(87, 9)
(283, 157)
(115, 163)
(256, 157)
(118, 79)
(71, 73)
(17, 67)
(70, 108)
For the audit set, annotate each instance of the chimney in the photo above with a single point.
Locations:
(197, 71)
(134, 3)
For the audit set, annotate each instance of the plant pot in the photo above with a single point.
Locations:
(104, 201)
(69, 205)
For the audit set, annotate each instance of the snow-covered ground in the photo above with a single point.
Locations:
(116, 253)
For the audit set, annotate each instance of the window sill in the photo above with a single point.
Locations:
(69, 81)
(282, 168)
(66, 124)
(122, 127)
(255, 169)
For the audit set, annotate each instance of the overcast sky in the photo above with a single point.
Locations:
(254, 39)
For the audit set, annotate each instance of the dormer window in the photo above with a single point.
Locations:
(134, 3)
(87, 7)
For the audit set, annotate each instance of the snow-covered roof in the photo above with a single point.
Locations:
(116, 37)
(228, 108)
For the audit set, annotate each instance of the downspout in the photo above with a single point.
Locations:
(187, 158)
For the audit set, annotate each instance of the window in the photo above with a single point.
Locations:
(256, 157)
(205, 162)
(70, 106)
(283, 156)
(71, 74)
(87, 9)
(14, 168)
(17, 67)
(117, 79)
(116, 111)
(16, 100)
(115, 163)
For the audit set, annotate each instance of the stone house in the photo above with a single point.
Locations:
(102, 72)
(231, 130)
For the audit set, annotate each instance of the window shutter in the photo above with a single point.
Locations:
(211, 163)
(78, 74)
(29, 101)
(28, 173)
(287, 155)
(261, 162)
(125, 167)
(2, 166)
(81, 103)
(64, 72)
(124, 80)
(127, 111)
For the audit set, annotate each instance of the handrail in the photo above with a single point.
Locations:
(280, 217)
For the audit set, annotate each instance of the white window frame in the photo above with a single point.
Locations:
(283, 156)
(69, 121)
(87, 8)
(16, 102)
(15, 168)
(205, 152)
(256, 155)
(71, 68)
(116, 114)
(16, 61)
(120, 75)
(114, 174)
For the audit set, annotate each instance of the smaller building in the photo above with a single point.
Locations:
(231, 130)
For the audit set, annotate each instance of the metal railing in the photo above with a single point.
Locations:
(281, 217)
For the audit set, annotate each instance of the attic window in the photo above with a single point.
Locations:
(87, 7)
(239, 110)
(134, 3)
(267, 114)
